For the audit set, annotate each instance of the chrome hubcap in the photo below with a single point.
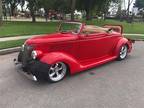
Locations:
(57, 71)
(123, 52)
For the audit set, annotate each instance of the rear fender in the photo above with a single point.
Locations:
(122, 42)
(54, 57)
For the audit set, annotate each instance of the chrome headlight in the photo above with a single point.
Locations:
(34, 55)
(22, 48)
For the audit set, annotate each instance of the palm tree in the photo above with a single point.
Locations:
(0, 12)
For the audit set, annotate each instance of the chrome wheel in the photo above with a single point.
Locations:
(57, 72)
(123, 52)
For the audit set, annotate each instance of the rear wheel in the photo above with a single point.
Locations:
(57, 72)
(123, 52)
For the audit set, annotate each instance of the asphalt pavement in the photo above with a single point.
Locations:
(118, 84)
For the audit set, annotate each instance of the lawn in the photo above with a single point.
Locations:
(10, 44)
(134, 28)
(28, 28)
(9, 29)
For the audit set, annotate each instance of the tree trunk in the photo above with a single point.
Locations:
(22, 7)
(129, 4)
(46, 14)
(32, 9)
(128, 9)
(88, 14)
(33, 16)
(88, 9)
(12, 7)
(119, 15)
(0, 12)
(32, 12)
(73, 9)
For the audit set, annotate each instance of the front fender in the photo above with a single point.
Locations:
(122, 42)
(52, 58)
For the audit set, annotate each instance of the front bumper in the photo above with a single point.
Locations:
(35, 70)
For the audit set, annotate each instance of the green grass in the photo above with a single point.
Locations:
(9, 29)
(27, 28)
(11, 44)
(134, 28)
(135, 37)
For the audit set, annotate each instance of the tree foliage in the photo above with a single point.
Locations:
(0, 12)
(13, 4)
(32, 6)
(99, 6)
(59, 5)
(139, 4)
(64, 6)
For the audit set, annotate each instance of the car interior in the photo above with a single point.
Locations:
(91, 29)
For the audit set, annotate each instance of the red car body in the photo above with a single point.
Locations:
(77, 50)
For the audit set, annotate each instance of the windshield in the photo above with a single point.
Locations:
(67, 27)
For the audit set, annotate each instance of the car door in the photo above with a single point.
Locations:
(94, 46)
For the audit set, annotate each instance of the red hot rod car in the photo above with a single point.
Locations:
(76, 47)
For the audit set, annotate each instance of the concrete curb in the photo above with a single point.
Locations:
(3, 39)
(9, 50)
(126, 34)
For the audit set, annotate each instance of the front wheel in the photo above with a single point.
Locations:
(123, 52)
(57, 72)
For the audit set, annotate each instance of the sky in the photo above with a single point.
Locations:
(125, 4)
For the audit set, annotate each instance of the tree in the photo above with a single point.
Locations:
(0, 12)
(22, 3)
(62, 6)
(13, 5)
(73, 6)
(129, 4)
(46, 5)
(32, 6)
(139, 4)
(89, 6)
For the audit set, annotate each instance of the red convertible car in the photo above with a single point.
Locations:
(74, 48)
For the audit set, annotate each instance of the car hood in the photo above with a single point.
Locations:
(57, 37)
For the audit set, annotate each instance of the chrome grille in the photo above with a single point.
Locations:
(26, 55)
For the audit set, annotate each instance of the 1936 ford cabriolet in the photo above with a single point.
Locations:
(76, 47)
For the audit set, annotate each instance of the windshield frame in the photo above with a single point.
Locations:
(78, 23)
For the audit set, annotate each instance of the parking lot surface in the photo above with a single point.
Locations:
(118, 84)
